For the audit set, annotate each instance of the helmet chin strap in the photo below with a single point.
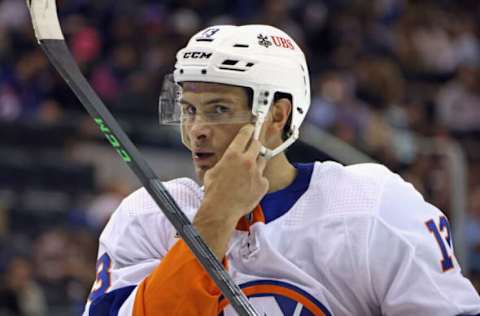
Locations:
(270, 153)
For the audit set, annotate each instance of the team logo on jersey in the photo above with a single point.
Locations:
(273, 298)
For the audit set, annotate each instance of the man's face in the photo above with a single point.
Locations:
(207, 138)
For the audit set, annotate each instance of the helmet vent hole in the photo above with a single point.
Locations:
(235, 65)
(230, 62)
(204, 39)
(300, 110)
(204, 71)
(233, 69)
(241, 45)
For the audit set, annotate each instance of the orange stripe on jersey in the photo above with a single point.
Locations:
(257, 216)
(277, 290)
(178, 286)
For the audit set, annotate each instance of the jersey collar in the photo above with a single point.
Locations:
(275, 204)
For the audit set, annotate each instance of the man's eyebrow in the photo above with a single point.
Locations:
(183, 101)
(219, 100)
(209, 102)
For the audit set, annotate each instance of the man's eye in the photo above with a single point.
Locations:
(189, 109)
(221, 109)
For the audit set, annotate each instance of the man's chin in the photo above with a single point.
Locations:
(200, 172)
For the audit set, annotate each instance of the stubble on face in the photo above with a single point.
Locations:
(208, 143)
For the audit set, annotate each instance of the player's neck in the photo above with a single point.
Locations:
(279, 172)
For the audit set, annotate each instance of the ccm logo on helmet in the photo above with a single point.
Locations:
(197, 55)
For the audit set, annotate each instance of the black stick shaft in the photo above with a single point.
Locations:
(60, 56)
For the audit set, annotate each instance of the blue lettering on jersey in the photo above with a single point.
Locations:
(102, 280)
(106, 303)
(442, 240)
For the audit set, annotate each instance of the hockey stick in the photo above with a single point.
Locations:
(49, 36)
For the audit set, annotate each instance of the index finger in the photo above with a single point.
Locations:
(240, 142)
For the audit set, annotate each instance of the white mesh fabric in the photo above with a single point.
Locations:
(138, 229)
(336, 189)
(185, 192)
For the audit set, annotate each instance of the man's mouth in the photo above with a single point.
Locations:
(202, 156)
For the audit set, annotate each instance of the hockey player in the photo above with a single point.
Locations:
(299, 239)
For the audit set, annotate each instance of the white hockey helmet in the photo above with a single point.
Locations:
(260, 57)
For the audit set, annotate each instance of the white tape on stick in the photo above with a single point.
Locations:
(44, 19)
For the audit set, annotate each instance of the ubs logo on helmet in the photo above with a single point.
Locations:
(197, 55)
(278, 41)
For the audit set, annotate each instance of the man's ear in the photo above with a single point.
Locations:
(278, 117)
(280, 110)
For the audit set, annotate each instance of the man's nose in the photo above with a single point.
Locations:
(199, 128)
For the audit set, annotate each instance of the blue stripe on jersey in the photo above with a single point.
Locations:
(110, 303)
(277, 203)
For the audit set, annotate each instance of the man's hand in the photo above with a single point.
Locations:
(236, 183)
(233, 187)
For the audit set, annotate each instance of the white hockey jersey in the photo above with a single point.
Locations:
(354, 240)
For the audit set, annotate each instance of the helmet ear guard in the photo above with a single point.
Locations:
(260, 57)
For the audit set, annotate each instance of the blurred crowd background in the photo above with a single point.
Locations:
(383, 73)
